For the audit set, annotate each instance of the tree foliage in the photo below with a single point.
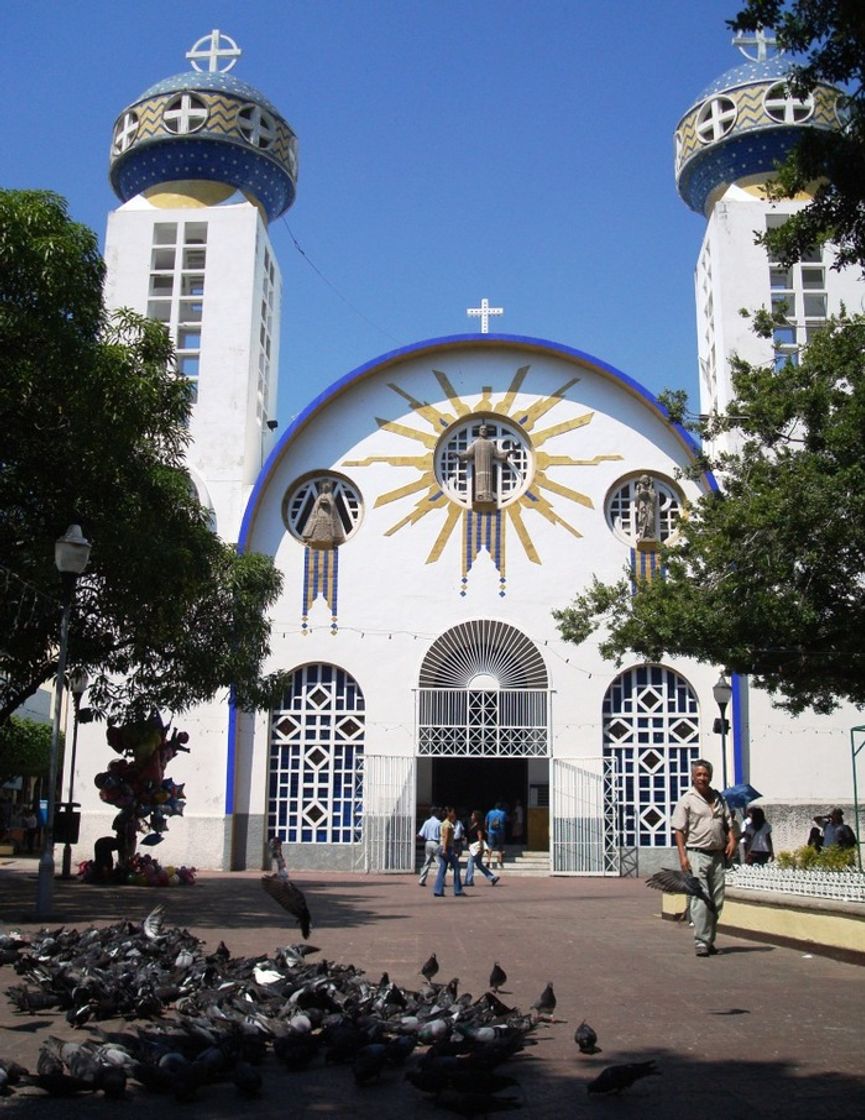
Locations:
(765, 576)
(830, 36)
(25, 749)
(95, 425)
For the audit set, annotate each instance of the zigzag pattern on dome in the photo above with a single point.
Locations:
(751, 114)
(222, 120)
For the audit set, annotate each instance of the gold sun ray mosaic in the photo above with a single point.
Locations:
(480, 469)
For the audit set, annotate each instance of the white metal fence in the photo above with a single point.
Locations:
(844, 886)
(585, 831)
(389, 813)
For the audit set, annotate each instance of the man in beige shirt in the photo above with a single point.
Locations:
(705, 840)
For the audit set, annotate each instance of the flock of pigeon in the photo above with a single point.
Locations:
(205, 1019)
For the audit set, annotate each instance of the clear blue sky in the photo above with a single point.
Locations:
(516, 149)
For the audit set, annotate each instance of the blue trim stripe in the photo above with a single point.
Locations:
(738, 727)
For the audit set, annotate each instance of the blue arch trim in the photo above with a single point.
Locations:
(454, 341)
(416, 349)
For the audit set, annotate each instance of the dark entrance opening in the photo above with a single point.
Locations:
(478, 783)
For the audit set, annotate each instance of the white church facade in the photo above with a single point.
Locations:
(428, 512)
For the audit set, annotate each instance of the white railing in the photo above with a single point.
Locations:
(845, 886)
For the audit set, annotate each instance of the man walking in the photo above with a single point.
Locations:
(448, 856)
(705, 839)
(430, 833)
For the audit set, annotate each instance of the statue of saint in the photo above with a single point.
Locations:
(323, 528)
(646, 511)
(481, 453)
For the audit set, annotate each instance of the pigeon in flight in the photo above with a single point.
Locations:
(614, 1079)
(680, 882)
(282, 890)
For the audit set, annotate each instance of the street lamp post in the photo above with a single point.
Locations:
(71, 553)
(78, 682)
(722, 691)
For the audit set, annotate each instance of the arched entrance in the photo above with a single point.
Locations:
(482, 717)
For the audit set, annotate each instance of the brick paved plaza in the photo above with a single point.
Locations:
(758, 1031)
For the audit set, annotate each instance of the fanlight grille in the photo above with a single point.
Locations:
(483, 648)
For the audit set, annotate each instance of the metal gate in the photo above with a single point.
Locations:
(585, 830)
(388, 813)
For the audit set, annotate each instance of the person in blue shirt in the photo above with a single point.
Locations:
(495, 825)
(430, 833)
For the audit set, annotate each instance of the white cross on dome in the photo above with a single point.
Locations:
(214, 52)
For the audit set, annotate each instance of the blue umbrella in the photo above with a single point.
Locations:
(737, 797)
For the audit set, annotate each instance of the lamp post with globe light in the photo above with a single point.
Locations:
(722, 691)
(78, 682)
(71, 553)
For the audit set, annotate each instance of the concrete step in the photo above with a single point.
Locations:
(521, 862)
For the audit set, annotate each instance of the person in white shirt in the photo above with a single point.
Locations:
(430, 833)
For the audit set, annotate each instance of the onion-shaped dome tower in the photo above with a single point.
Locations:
(745, 123)
(196, 138)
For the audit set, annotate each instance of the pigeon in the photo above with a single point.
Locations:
(615, 1078)
(545, 1004)
(152, 926)
(498, 976)
(429, 968)
(586, 1039)
(282, 890)
(680, 882)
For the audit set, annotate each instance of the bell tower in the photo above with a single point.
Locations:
(202, 163)
(727, 146)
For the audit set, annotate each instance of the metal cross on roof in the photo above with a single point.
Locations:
(763, 40)
(214, 51)
(484, 312)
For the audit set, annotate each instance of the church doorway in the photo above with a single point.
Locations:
(478, 783)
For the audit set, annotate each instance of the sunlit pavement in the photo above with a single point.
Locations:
(755, 1031)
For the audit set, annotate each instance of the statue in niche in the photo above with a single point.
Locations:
(323, 528)
(481, 453)
(646, 509)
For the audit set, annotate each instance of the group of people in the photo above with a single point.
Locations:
(24, 821)
(445, 836)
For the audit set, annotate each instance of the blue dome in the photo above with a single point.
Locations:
(743, 125)
(216, 82)
(205, 127)
(767, 69)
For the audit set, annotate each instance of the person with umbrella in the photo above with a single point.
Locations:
(705, 840)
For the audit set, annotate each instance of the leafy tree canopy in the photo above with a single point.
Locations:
(765, 576)
(830, 36)
(95, 425)
(25, 749)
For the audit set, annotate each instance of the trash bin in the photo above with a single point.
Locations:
(67, 823)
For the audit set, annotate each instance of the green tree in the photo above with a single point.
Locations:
(766, 575)
(830, 37)
(25, 749)
(95, 424)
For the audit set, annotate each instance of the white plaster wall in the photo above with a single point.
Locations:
(740, 280)
(228, 440)
(806, 756)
